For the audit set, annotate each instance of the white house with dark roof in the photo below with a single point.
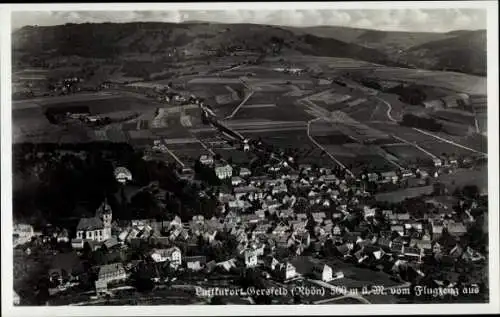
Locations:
(172, 255)
(223, 171)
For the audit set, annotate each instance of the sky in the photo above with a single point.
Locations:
(416, 20)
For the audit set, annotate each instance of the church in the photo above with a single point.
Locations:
(95, 229)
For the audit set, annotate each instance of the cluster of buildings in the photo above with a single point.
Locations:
(268, 221)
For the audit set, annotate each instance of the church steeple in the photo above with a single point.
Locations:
(105, 213)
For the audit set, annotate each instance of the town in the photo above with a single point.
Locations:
(277, 224)
(247, 176)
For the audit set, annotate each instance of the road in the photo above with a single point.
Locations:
(323, 149)
(239, 106)
(173, 155)
(389, 108)
(450, 142)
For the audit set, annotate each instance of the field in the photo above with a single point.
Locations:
(400, 195)
(448, 80)
(463, 177)
(187, 153)
(285, 109)
(455, 116)
(372, 162)
(433, 145)
(407, 153)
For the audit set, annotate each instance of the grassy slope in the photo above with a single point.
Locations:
(142, 41)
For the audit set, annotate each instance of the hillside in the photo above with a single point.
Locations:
(461, 51)
(465, 52)
(146, 41)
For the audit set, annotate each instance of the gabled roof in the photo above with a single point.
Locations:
(110, 268)
(93, 223)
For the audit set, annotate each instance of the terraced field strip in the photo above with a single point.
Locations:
(265, 105)
(450, 142)
(323, 148)
(414, 144)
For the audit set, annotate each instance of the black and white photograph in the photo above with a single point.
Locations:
(249, 155)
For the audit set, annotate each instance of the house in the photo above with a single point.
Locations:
(101, 287)
(279, 189)
(399, 229)
(387, 213)
(245, 172)
(261, 229)
(250, 190)
(22, 234)
(195, 263)
(298, 225)
(352, 237)
(412, 252)
(301, 216)
(437, 162)
(337, 231)
(424, 245)
(329, 179)
(318, 216)
(207, 160)
(436, 248)
(111, 243)
(472, 255)
(402, 217)
(323, 272)
(344, 249)
(97, 228)
(250, 257)
(369, 212)
(390, 176)
(112, 273)
(172, 255)
(397, 247)
(225, 265)
(456, 229)
(287, 213)
(285, 271)
(223, 171)
(280, 229)
(236, 181)
(437, 230)
(63, 236)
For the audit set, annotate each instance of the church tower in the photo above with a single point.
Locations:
(105, 213)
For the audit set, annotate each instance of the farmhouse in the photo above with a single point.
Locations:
(112, 273)
(172, 255)
(223, 171)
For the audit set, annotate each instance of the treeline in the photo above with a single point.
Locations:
(411, 120)
(409, 94)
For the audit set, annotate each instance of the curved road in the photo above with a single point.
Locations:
(389, 109)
